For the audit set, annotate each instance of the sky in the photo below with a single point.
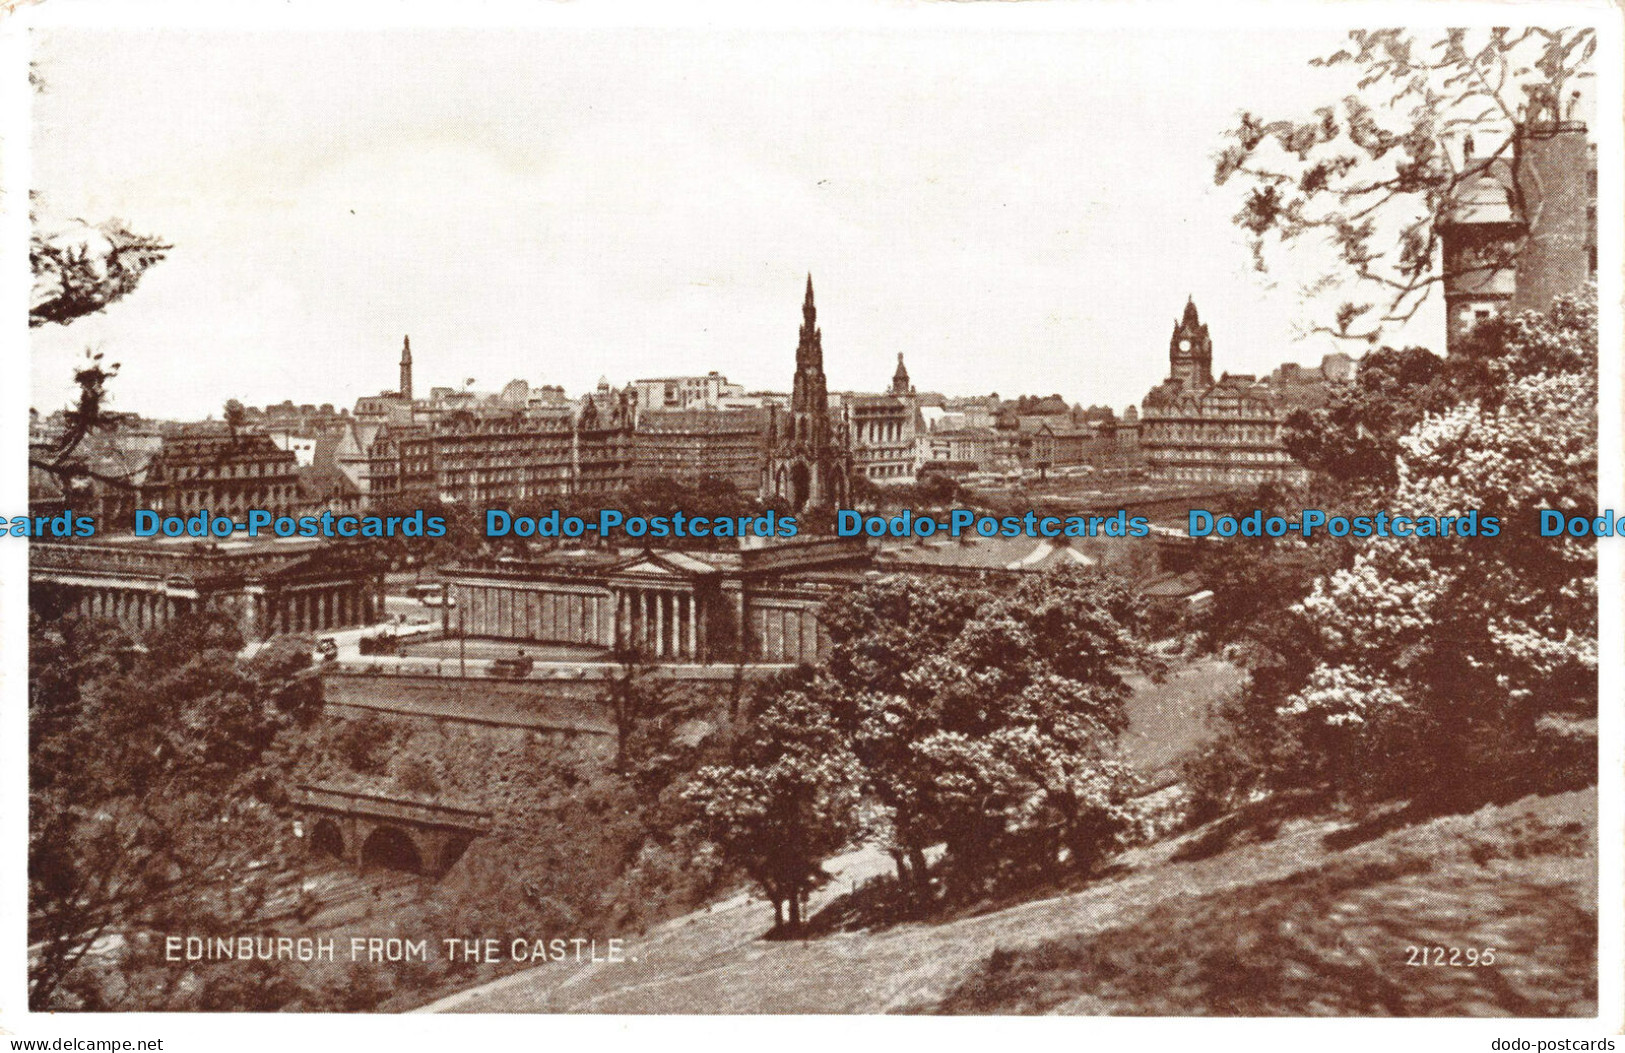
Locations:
(1017, 212)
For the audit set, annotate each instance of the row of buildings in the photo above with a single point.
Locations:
(1521, 230)
(524, 444)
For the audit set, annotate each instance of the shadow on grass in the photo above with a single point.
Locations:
(1325, 942)
(882, 903)
(1251, 824)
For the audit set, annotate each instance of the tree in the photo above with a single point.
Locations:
(787, 800)
(1373, 175)
(80, 269)
(632, 694)
(988, 722)
(1436, 661)
(1356, 437)
(152, 777)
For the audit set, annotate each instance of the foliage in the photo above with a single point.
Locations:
(1428, 669)
(152, 768)
(1435, 661)
(988, 722)
(633, 693)
(1375, 175)
(364, 743)
(81, 269)
(1356, 437)
(788, 799)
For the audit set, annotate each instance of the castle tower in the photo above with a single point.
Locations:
(1190, 351)
(1521, 232)
(807, 465)
(899, 379)
(406, 369)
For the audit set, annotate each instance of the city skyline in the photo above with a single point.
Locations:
(565, 228)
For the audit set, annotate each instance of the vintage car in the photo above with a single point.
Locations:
(516, 668)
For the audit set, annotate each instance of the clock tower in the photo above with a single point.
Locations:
(1190, 351)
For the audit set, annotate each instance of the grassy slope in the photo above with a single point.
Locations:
(1167, 720)
(1272, 922)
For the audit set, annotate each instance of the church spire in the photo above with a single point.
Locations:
(809, 313)
(810, 350)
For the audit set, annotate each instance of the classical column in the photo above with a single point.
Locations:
(643, 619)
(660, 625)
(693, 630)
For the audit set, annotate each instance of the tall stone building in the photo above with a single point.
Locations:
(808, 461)
(1522, 229)
(883, 430)
(1197, 429)
(691, 445)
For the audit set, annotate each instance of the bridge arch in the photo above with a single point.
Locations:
(370, 830)
(327, 839)
(451, 851)
(392, 848)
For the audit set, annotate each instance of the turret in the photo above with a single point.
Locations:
(899, 379)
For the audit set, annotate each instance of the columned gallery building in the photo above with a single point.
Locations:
(272, 586)
(759, 604)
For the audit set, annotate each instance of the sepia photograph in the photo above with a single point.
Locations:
(988, 509)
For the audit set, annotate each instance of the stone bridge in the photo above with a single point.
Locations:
(370, 829)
